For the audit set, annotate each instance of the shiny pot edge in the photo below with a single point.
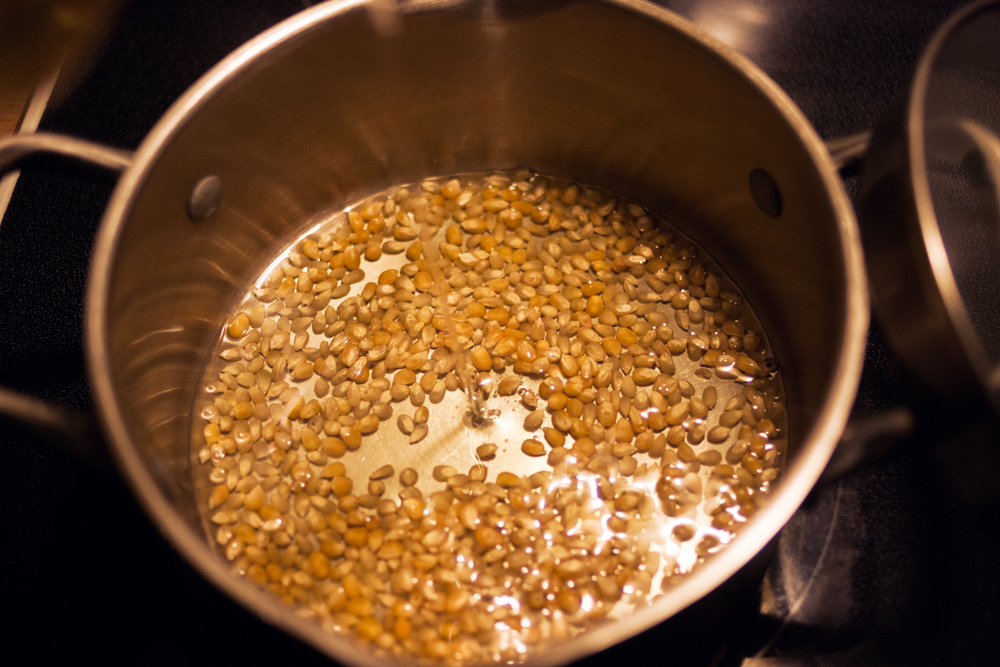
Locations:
(798, 479)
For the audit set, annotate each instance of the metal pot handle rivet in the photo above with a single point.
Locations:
(765, 193)
(205, 198)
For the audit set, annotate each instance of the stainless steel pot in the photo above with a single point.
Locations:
(330, 106)
(929, 197)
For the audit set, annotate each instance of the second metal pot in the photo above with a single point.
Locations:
(931, 214)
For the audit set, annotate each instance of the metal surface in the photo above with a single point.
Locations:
(885, 588)
(78, 154)
(933, 261)
(971, 238)
(849, 150)
(75, 432)
(292, 137)
(205, 198)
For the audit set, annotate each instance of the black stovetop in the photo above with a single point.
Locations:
(892, 564)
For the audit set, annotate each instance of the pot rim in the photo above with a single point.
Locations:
(936, 255)
(798, 479)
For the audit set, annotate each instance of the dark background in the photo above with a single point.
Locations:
(890, 565)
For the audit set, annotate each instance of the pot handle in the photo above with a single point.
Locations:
(60, 151)
(74, 431)
(868, 438)
(848, 152)
(988, 145)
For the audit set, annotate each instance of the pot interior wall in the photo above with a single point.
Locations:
(596, 93)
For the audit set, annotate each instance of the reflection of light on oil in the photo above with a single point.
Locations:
(507, 601)
(507, 638)
(680, 556)
(647, 484)
(559, 483)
